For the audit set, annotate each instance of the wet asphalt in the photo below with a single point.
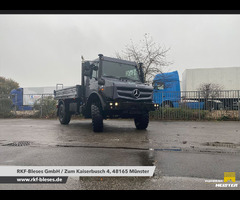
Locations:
(185, 153)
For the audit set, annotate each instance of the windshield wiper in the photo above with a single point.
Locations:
(123, 77)
(110, 76)
(126, 78)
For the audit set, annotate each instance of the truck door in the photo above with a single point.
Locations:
(91, 82)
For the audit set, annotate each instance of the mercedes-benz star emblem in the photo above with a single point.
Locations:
(136, 93)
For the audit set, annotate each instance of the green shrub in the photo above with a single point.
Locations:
(227, 118)
(46, 107)
(5, 107)
(178, 114)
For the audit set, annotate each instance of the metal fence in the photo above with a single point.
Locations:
(197, 105)
(184, 105)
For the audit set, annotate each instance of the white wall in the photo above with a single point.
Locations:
(228, 77)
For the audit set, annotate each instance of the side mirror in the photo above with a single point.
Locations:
(153, 84)
(86, 65)
(94, 67)
(87, 69)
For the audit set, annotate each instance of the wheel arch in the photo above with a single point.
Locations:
(94, 98)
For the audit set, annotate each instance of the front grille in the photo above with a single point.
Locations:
(127, 92)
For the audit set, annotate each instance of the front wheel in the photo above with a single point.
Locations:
(141, 121)
(97, 118)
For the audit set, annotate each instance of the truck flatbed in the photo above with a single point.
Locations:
(69, 92)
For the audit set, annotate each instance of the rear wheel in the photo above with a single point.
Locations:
(63, 115)
(141, 121)
(97, 118)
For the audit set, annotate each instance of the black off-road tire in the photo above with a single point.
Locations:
(97, 118)
(141, 121)
(63, 115)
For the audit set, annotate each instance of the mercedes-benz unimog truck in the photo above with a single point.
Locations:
(110, 88)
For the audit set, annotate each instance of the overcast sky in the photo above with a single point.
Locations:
(42, 50)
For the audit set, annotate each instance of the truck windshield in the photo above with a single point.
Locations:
(120, 71)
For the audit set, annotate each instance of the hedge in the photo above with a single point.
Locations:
(5, 107)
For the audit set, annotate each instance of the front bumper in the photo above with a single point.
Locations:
(129, 107)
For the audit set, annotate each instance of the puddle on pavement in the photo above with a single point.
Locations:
(147, 158)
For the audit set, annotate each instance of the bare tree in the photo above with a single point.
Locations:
(209, 91)
(148, 52)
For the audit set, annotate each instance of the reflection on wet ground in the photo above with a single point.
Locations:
(147, 158)
(115, 136)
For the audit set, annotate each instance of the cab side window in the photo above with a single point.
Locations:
(95, 73)
(159, 86)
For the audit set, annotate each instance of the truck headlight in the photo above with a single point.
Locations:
(116, 103)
